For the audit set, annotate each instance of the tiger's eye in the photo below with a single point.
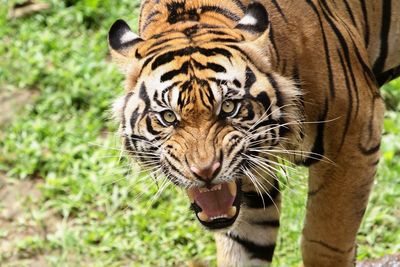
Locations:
(228, 106)
(169, 116)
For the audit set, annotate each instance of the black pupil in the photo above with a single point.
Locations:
(169, 116)
(228, 107)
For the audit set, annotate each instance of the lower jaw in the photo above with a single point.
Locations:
(221, 223)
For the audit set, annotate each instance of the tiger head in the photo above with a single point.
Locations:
(203, 100)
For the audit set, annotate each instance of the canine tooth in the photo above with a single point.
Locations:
(203, 216)
(232, 211)
(232, 188)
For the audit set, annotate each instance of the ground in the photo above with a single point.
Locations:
(66, 199)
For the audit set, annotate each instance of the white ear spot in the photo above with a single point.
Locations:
(117, 108)
(127, 37)
(248, 20)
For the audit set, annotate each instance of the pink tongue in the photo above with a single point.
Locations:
(214, 203)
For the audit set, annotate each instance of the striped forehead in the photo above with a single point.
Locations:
(203, 78)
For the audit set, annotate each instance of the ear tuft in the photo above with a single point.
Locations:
(255, 19)
(120, 36)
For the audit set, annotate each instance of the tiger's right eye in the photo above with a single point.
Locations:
(228, 107)
(169, 117)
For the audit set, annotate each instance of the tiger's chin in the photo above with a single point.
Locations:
(217, 207)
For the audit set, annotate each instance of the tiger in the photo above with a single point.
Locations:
(219, 94)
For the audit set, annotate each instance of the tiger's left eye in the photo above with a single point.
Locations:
(169, 117)
(228, 107)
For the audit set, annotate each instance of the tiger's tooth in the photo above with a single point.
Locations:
(216, 187)
(203, 216)
(232, 211)
(203, 189)
(232, 188)
(190, 194)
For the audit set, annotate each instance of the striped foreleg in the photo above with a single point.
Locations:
(252, 239)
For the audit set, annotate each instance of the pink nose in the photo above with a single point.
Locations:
(208, 173)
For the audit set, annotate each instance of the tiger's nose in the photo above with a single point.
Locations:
(207, 173)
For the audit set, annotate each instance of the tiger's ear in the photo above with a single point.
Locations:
(255, 21)
(255, 27)
(123, 44)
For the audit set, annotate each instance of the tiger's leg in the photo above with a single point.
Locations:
(251, 241)
(338, 193)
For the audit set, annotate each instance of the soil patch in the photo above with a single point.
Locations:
(13, 101)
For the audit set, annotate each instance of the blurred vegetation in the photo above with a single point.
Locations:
(103, 208)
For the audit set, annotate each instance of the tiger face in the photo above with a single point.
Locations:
(197, 109)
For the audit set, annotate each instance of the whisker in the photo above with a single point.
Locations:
(265, 191)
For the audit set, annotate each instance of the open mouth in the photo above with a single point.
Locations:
(216, 207)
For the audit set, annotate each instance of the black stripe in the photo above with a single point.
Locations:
(224, 40)
(369, 151)
(349, 98)
(128, 146)
(161, 41)
(345, 49)
(263, 98)
(240, 5)
(155, 99)
(134, 118)
(280, 10)
(214, 51)
(375, 163)
(272, 39)
(173, 156)
(123, 119)
(326, 50)
(150, 128)
(177, 11)
(213, 66)
(166, 91)
(385, 28)
(256, 201)
(171, 74)
(250, 80)
(318, 147)
(366, 23)
(268, 223)
(233, 146)
(225, 12)
(216, 32)
(144, 96)
(325, 245)
(170, 56)
(387, 76)
(149, 19)
(256, 251)
(250, 113)
(275, 86)
(348, 9)
(172, 167)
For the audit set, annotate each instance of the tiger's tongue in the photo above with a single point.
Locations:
(215, 202)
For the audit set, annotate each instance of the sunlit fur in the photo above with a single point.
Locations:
(305, 78)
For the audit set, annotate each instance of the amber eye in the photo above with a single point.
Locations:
(168, 117)
(228, 107)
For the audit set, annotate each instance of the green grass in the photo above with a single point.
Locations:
(99, 210)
